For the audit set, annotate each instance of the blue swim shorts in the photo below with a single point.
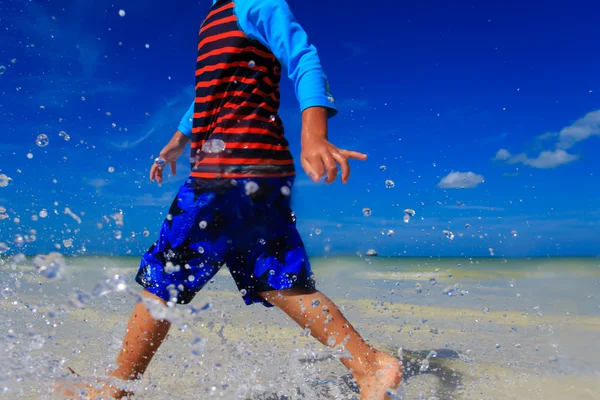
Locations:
(245, 224)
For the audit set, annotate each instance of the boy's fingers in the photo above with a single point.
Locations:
(152, 172)
(331, 167)
(353, 154)
(343, 161)
(310, 171)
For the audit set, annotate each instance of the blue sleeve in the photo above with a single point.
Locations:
(185, 126)
(272, 23)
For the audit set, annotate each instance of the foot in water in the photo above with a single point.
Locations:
(79, 390)
(384, 375)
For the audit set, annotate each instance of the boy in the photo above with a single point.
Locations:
(234, 208)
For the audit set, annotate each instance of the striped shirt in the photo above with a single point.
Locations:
(236, 131)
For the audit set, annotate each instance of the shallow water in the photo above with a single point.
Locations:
(502, 329)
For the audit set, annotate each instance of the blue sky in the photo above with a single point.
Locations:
(483, 114)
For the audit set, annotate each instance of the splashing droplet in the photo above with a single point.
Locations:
(514, 233)
(203, 224)
(122, 13)
(390, 232)
(251, 187)
(285, 190)
(42, 140)
(64, 135)
(213, 146)
(382, 168)
(4, 180)
(389, 184)
(51, 266)
(111, 169)
(146, 233)
(251, 64)
(366, 212)
(448, 234)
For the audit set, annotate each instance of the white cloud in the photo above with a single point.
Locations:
(546, 159)
(551, 159)
(461, 180)
(582, 129)
(502, 155)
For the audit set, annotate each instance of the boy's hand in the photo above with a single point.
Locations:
(170, 153)
(319, 157)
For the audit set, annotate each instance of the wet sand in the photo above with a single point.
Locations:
(513, 329)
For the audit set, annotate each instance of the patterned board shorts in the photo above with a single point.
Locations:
(245, 224)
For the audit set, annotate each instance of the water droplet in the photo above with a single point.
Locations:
(262, 241)
(203, 224)
(51, 266)
(64, 135)
(111, 169)
(272, 272)
(4, 180)
(382, 168)
(42, 140)
(317, 231)
(366, 212)
(389, 184)
(467, 226)
(331, 341)
(433, 281)
(390, 232)
(485, 310)
(243, 292)
(122, 13)
(315, 302)
(201, 250)
(146, 233)
(285, 190)
(43, 213)
(2, 69)
(251, 64)
(29, 155)
(272, 118)
(147, 45)
(191, 278)
(251, 187)
(118, 234)
(3, 248)
(68, 243)
(491, 251)
(448, 234)
(514, 233)
(213, 146)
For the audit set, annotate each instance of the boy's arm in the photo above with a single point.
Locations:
(175, 148)
(272, 23)
(185, 126)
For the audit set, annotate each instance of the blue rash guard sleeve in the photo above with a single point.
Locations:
(272, 23)
(185, 126)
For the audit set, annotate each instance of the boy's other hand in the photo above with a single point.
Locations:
(170, 153)
(319, 157)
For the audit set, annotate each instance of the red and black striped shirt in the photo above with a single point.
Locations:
(236, 132)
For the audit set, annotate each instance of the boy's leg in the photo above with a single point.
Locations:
(143, 337)
(374, 371)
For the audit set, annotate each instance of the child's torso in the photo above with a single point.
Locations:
(237, 132)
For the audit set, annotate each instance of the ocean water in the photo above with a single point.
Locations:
(498, 329)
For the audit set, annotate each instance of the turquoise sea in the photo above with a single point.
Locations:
(498, 328)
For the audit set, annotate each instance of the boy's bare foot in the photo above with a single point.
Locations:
(384, 374)
(78, 390)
